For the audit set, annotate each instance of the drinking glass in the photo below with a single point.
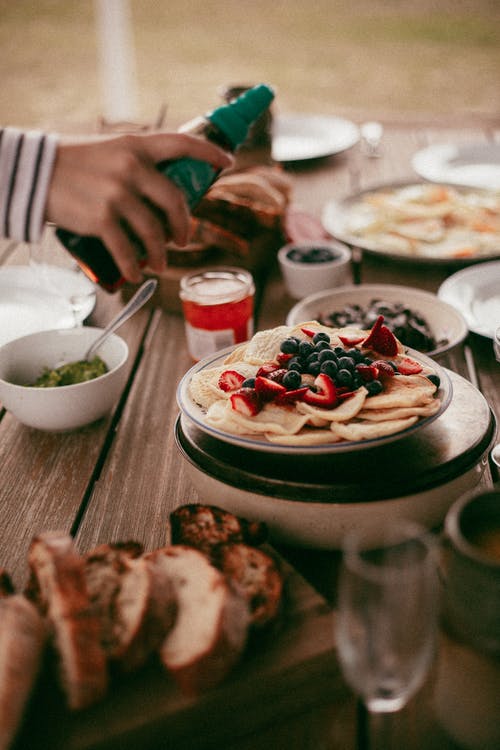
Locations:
(387, 617)
(57, 273)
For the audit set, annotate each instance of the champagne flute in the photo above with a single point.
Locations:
(387, 617)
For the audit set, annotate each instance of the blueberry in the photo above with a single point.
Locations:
(339, 351)
(344, 377)
(347, 363)
(321, 344)
(295, 364)
(329, 367)
(305, 349)
(313, 368)
(289, 345)
(321, 336)
(435, 379)
(373, 387)
(248, 383)
(325, 354)
(292, 380)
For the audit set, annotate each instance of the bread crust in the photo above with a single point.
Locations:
(59, 572)
(23, 635)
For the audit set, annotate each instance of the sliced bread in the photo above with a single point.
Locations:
(134, 600)
(58, 572)
(210, 631)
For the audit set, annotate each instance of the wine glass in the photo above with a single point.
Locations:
(387, 617)
(58, 273)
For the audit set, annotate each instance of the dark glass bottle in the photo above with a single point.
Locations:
(227, 126)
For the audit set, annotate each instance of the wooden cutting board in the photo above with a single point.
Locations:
(285, 672)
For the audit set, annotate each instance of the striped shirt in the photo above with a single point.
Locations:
(26, 163)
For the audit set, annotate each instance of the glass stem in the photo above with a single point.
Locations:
(380, 735)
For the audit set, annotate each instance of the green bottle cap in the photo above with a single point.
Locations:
(235, 118)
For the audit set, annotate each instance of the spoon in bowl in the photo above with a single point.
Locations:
(139, 299)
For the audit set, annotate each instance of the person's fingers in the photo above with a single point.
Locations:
(161, 192)
(165, 146)
(148, 225)
(121, 247)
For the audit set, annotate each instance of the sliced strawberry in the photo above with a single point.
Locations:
(246, 401)
(268, 389)
(367, 372)
(284, 358)
(289, 397)
(409, 366)
(351, 340)
(381, 339)
(230, 380)
(385, 369)
(325, 394)
(277, 375)
(308, 331)
(345, 394)
(266, 369)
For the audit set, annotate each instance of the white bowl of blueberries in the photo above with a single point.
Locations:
(419, 319)
(309, 267)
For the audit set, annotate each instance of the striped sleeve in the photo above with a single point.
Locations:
(26, 163)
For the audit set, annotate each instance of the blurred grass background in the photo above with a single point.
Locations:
(363, 58)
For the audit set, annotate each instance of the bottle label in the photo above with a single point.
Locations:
(192, 176)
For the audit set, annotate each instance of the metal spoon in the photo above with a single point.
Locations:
(135, 303)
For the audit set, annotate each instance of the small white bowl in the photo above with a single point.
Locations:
(64, 407)
(302, 279)
(445, 321)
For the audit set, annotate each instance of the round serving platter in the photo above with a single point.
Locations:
(313, 500)
(337, 218)
(196, 414)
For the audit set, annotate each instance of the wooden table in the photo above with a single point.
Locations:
(119, 479)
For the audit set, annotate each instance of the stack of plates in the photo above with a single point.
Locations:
(311, 496)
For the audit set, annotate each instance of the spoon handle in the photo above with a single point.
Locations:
(137, 301)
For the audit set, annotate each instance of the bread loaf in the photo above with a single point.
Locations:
(58, 571)
(204, 526)
(210, 631)
(22, 639)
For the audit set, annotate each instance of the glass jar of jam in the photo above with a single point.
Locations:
(218, 309)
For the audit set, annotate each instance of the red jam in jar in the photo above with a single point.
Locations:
(218, 309)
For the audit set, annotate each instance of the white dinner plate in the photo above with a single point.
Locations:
(377, 220)
(196, 414)
(42, 298)
(475, 292)
(300, 137)
(473, 164)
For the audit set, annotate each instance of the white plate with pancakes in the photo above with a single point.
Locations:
(419, 222)
(204, 371)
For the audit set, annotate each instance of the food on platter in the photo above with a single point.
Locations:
(190, 604)
(426, 220)
(310, 384)
(408, 325)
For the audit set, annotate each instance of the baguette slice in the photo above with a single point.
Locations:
(256, 575)
(211, 628)
(134, 600)
(204, 526)
(23, 634)
(59, 573)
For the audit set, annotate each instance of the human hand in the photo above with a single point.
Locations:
(102, 186)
